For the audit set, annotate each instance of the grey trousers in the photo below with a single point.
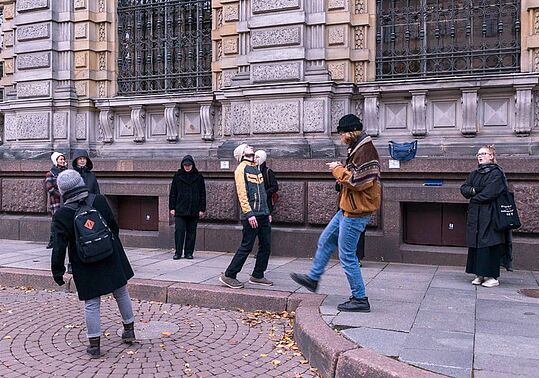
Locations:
(92, 311)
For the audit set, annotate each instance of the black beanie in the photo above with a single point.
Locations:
(348, 123)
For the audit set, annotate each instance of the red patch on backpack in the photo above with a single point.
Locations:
(89, 224)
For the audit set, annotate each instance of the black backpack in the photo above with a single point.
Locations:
(93, 237)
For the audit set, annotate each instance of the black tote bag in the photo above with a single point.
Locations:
(506, 212)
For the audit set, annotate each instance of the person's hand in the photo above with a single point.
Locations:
(200, 214)
(173, 212)
(270, 219)
(253, 222)
(59, 280)
(333, 165)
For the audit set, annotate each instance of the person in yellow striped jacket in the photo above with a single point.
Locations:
(255, 219)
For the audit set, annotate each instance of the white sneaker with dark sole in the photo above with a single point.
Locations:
(478, 280)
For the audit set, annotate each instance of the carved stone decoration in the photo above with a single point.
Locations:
(106, 125)
(523, 105)
(469, 112)
(238, 118)
(33, 89)
(336, 4)
(359, 37)
(33, 60)
(276, 72)
(337, 70)
(284, 36)
(226, 127)
(102, 88)
(219, 17)
(536, 60)
(80, 59)
(8, 11)
(275, 116)
(102, 61)
(80, 126)
(359, 72)
(81, 87)
(536, 109)
(536, 21)
(102, 32)
(337, 111)
(263, 6)
(8, 39)
(371, 111)
(80, 4)
(337, 34)
(80, 30)
(30, 5)
(230, 45)
(360, 7)
(172, 122)
(231, 12)
(33, 126)
(313, 115)
(219, 50)
(419, 113)
(358, 108)
(101, 6)
(34, 31)
(59, 125)
(138, 119)
(8, 66)
(207, 113)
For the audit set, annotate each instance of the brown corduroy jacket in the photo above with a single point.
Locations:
(360, 179)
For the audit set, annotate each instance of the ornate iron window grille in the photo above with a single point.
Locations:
(164, 46)
(425, 38)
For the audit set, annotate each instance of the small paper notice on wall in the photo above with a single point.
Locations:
(225, 164)
(394, 164)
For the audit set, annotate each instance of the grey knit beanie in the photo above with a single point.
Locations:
(69, 179)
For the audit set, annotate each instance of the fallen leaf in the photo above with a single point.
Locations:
(276, 362)
(166, 334)
(7, 337)
(263, 355)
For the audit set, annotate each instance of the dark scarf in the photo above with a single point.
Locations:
(486, 168)
(57, 170)
(75, 194)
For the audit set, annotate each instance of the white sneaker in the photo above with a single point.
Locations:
(491, 282)
(478, 280)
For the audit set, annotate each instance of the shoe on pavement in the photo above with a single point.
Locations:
(260, 281)
(355, 305)
(491, 282)
(478, 280)
(305, 281)
(189, 256)
(176, 257)
(230, 282)
(94, 349)
(128, 334)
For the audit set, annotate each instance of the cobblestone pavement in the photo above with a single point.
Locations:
(42, 334)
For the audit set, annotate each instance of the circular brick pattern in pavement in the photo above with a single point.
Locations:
(152, 330)
(46, 336)
(532, 293)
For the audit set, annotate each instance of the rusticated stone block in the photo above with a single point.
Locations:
(262, 6)
(322, 203)
(527, 199)
(221, 201)
(291, 205)
(30, 5)
(23, 196)
(273, 116)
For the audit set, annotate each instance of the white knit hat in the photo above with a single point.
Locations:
(261, 155)
(238, 151)
(69, 179)
(55, 156)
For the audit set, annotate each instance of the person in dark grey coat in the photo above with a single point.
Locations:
(83, 164)
(187, 203)
(92, 280)
(485, 244)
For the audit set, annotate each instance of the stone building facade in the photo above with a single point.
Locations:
(140, 84)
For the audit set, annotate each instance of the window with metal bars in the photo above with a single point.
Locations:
(164, 46)
(434, 38)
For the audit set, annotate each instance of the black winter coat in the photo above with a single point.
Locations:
(187, 193)
(270, 184)
(482, 187)
(96, 279)
(86, 172)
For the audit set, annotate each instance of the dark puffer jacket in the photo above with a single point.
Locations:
(91, 280)
(86, 172)
(482, 187)
(188, 191)
(270, 183)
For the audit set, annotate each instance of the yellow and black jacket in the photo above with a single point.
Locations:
(250, 190)
(360, 179)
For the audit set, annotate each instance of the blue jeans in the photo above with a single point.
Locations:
(343, 232)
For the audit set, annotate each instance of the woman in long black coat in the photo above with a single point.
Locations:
(187, 203)
(485, 244)
(84, 165)
(92, 280)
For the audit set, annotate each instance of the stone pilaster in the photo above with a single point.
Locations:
(524, 108)
(370, 113)
(469, 112)
(419, 113)
(226, 40)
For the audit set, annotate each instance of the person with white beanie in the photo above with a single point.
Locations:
(59, 164)
(254, 219)
(92, 280)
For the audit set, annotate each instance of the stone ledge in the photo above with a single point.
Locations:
(332, 354)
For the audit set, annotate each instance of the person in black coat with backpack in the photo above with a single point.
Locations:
(486, 246)
(187, 203)
(92, 280)
(83, 164)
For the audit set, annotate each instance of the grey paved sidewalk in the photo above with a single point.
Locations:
(428, 316)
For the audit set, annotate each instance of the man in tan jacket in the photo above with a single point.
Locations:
(359, 197)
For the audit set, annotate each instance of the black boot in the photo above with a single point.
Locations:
(94, 349)
(128, 334)
(355, 305)
(50, 245)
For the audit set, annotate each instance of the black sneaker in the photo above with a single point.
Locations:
(176, 257)
(305, 281)
(355, 305)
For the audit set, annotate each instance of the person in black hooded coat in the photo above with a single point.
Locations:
(187, 203)
(486, 246)
(83, 165)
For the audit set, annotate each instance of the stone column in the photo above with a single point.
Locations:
(469, 112)
(524, 107)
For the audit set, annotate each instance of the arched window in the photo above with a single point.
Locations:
(164, 46)
(430, 38)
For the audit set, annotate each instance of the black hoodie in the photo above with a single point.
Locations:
(86, 172)
(188, 191)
